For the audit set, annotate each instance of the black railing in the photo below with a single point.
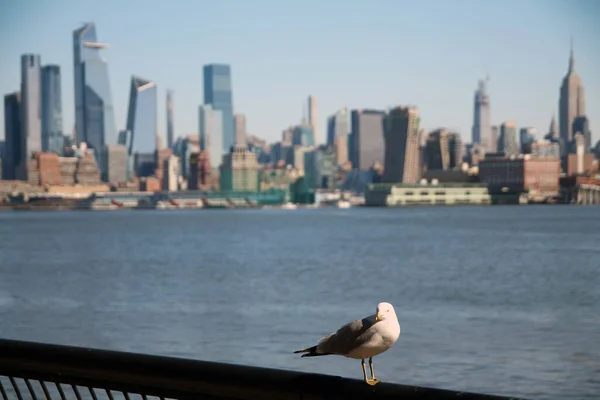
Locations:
(43, 371)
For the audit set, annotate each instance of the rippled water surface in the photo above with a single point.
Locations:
(502, 300)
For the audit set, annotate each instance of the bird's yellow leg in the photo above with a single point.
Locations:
(373, 379)
(364, 367)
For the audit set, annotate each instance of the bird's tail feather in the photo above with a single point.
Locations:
(310, 352)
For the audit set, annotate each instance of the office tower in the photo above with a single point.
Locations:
(303, 135)
(481, 116)
(94, 115)
(31, 111)
(171, 168)
(116, 160)
(218, 93)
(170, 133)
(12, 135)
(239, 171)
(571, 102)
(183, 148)
(494, 133)
(507, 142)
(581, 125)
(240, 130)
(124, 138)
(211, 131)
(401, 132)
(313, 117)
(366, 143)
(52, 124)
(287, 136)
(199, 171)
(338, 125)
(142, 117)
(553, 130)
(526, 138)
(338, 129)
(320, 168)
(444, 150)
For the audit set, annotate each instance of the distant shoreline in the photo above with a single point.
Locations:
(21, 208)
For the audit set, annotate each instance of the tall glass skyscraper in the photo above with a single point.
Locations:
(142, 117)
(211, 133)
(31, 110)
(52, 124)
(94, 115)
(217, 93)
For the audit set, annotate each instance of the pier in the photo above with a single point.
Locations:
(581, 190)
(37, 371)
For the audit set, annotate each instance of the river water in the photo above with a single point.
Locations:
(501, 300)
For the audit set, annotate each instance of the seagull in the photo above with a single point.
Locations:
(361, 339)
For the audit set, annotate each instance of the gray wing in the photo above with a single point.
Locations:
(348, 337)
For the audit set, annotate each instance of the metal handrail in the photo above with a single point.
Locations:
(96, 371)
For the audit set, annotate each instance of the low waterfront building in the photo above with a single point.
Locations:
(386, 194)
(536, 178)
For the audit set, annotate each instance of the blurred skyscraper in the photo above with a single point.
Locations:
(170, 133)
(494, 134)
(526, 138)
(338, 129)
(12, 132)
(211, 133)
(303, 135)
(366, 143)
(444, 150)
(401, 132)
(313, 117)
(218, 93)
(481, 117)
(581, 125)
(52, 123)
(240, 130)
(552, 130)
(31, 110)
(142, 116)
(338, 125)
(94, 115)
(507, 142)
(572, 101)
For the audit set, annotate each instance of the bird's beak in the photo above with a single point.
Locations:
(379, 317)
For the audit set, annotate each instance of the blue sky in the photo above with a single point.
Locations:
(359, 54)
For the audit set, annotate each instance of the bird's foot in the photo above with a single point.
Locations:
(372, 382)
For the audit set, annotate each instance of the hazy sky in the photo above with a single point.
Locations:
(359, 54)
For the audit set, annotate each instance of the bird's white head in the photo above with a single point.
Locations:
(385, 311)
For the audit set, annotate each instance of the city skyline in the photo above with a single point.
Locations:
(442, 100)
